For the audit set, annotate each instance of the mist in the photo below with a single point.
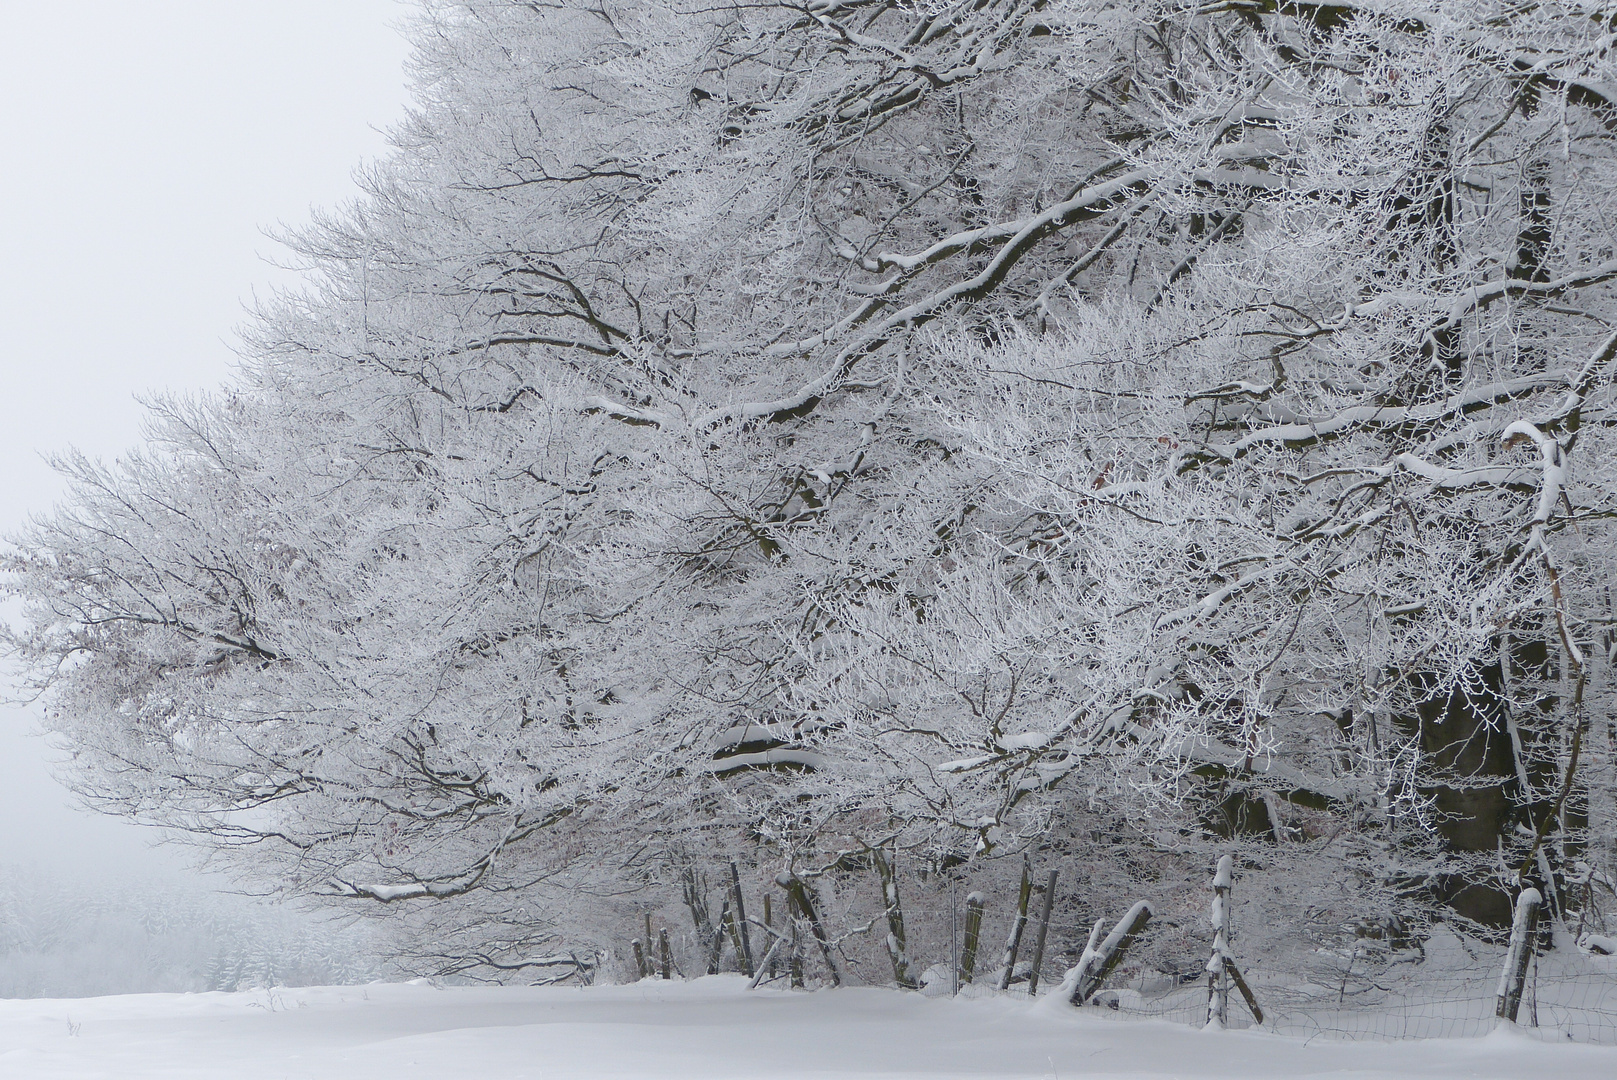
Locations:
(151, 149)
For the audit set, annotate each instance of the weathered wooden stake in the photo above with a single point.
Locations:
(695, 891)
(1013, 944)
(650, 943)
(771, 962)
(738, 922)
(715, 947)
(737, 940)
(1044, 929)
(897, 947)
(640, 959)
(1514, 973)
(796, 962)
(954, 946)
(668, 956)
(974, 929)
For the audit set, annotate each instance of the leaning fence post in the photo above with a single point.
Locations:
(1246, 991)
(974, 931)
(1013, 944)
(797, 896)
(1098, 961)
(1514, 973)
(767, 964)
(1038, 942)
(1218, 983)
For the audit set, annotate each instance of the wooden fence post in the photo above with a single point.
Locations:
(1514, 973)
(743, 961)
(715, 947)
(1044, 929)
(1221, 969)
(974, 931)
(954, 945)
(695, 891)
(796, 961)
(668, 957)
(1218, 986)
(640, 959)
(770, 961)
(739, 921)
(1013, 944)
(897, 944)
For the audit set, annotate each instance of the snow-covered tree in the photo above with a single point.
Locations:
(787, 431)
(1274, 506)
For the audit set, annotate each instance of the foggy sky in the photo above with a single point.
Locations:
(144, 147)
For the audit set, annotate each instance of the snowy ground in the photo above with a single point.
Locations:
(709, 1028)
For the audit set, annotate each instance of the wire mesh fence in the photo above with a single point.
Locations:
(1574, 1006)
(1447, 989)
(1442, 983)
(1580, 1006)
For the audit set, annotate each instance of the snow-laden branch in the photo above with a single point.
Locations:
(1475, 298)
(1308, 432)
(1022, 234)
(1553, 476)
(1455, 479)
(1552, 487)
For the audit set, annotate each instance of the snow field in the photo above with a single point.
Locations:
(709, 1028)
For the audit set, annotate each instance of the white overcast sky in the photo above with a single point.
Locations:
(144, 147)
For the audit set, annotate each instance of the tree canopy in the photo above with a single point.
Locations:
(792, 431)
